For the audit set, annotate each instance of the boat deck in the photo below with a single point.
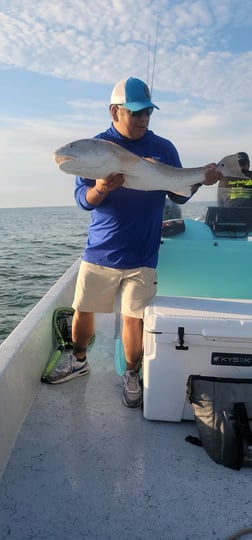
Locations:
(85, 467)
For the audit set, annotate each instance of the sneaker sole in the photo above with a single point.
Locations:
(84, 371)
(132, 404)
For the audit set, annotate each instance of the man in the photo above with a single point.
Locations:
(123, 239)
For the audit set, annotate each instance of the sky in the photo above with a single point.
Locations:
(60, 60)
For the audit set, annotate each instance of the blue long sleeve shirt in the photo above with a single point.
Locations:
(126, 226)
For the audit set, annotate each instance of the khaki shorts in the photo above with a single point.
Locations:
(100, 289)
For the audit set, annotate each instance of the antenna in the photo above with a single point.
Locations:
(148, 60)
(154, 58)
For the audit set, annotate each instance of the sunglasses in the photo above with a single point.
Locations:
(147, 111)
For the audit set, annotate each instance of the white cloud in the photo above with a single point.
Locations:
(102, 42)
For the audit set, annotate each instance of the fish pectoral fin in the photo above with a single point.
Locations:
(151, 160)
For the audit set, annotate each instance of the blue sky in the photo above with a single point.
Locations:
(59, 62)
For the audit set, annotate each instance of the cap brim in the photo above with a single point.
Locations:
(138, 106)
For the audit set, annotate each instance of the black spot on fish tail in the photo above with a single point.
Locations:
(243, 160)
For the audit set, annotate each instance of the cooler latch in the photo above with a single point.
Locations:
(181, 334)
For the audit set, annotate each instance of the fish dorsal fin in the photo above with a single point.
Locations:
(160, 165)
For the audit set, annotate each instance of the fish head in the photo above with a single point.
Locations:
(90, 158)
(235, 165)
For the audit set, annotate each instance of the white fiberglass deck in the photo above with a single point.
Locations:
(84, 467)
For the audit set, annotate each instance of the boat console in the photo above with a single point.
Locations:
(208, 254)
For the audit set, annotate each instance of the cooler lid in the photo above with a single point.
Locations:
(200, 316)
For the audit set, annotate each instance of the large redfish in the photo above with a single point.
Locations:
(97, 158)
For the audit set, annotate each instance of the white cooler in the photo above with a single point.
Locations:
(184, 336)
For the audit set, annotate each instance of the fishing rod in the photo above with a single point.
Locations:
(154, 60)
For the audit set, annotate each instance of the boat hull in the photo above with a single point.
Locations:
(23, 357)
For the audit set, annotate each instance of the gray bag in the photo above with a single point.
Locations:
(223, 415)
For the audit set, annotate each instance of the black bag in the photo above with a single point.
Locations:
(223, 415)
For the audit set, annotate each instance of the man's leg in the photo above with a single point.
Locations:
(137, 289)
(83, 328)
(75, 365)
(132, 338)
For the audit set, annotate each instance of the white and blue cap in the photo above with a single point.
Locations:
(133, 94)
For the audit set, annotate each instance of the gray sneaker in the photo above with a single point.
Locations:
(132, 390)
(67, 369)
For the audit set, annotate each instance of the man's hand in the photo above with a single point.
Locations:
(211, 174)
(110, 183)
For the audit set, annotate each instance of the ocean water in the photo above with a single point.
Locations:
(37, 246)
